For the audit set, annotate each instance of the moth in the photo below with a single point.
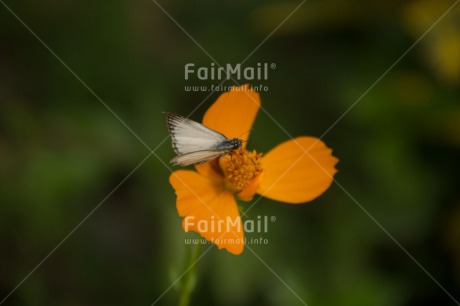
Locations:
(196, 144)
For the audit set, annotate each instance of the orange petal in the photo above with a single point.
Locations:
(211, 170)
(249, 191)
(297, 170)
(208, 209)
(234, 112)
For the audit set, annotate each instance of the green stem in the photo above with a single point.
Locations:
(188, 282)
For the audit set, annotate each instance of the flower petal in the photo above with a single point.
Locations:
(297, 170)
(249, 191)
(208, 209)
(234, 112)
(211, 170)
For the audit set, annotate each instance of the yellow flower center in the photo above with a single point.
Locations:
(241, 169)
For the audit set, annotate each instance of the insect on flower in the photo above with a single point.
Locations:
(196, 144)
(295, 171)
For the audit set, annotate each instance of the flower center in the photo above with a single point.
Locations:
(240, 169)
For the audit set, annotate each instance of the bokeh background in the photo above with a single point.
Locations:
(62, 152)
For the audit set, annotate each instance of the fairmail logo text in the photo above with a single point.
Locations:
(228, 72)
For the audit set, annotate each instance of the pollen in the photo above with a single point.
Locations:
(240, 168)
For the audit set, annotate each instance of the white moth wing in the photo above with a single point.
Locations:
(189, 136)
(196, 157)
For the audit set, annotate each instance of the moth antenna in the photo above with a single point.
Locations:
(247, 132)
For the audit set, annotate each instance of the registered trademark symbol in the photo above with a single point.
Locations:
(273, 66)
(272, 218)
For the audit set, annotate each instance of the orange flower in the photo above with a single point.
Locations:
(295, 171)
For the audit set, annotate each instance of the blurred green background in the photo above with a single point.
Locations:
(62, 152)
